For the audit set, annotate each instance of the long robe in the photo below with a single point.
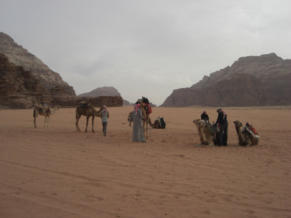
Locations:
(138, 130)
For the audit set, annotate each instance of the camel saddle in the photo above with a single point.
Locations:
(84, 104)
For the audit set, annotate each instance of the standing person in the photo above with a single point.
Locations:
(222, 124)
(224, 138)
(137, 129)
(104, 118)
(205, 117)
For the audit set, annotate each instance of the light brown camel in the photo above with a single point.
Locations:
(42, 110)
(87, 110)
(146, 120)
(245, 134)
(206, 131)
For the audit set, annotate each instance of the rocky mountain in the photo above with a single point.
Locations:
(249, 81)
(104, 91)
(25, 80)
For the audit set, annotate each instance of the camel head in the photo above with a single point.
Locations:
(197, 122)
(237, 123)
(97, 113)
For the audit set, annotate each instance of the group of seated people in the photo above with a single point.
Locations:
(159, 123)
(221, 125)
(220, 128)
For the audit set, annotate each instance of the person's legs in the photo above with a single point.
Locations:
(104, 124)
(225, 135)
(220, 138)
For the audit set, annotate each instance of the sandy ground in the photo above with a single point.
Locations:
(58, 172)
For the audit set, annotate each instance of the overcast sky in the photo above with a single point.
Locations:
(145, 48)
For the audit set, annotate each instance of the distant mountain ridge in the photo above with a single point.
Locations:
(249, 81)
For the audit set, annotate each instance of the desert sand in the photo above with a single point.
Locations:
(58, 172)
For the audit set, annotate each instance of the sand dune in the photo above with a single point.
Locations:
(58, 172)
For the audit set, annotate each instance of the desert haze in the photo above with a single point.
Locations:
(59, 172)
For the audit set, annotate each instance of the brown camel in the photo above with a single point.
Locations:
(245, 134)
(88, 110)
(42, 110)
(206, 131)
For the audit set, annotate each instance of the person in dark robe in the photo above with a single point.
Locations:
(222, 126)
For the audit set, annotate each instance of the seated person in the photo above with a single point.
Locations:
(205, 117)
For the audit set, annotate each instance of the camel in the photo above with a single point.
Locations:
(88, 110)
(206, 131)
(245, 134)
(42, 110)
(146, 120)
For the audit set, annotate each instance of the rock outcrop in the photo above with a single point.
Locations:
(110, 101)
(251, 81)
(25, 80)
(104, 91)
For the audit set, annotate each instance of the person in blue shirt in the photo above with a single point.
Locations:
(104, 118)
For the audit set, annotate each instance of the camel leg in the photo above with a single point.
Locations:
(205, 142)
(199, 130)
(46, 118)
(245, 140)
(200, 135)
(47, 121)
(208, 140)
(145, 129)
(87, 119)
(34, 121)
(93, 117)
(204, 135)
(34, 118)
(77, 123)
(254, 140)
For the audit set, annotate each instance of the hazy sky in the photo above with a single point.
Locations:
(145, 48)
